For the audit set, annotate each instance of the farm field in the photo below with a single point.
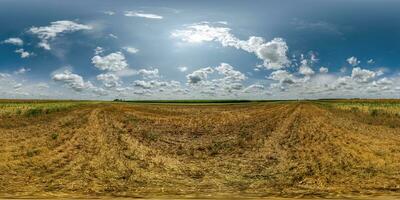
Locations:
(325, 148)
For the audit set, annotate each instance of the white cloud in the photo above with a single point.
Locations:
(273, 53)
(225, 80)
(109, 80)
(42, 86)
(4, 75)
(14, 41)
(305, 69)
(98, 50)
(131, 50)
(73, 81)
(144, 84)
(109, 12)
(149, 73)
(323, 70)
(371, 61)
(182, 69)
(229, 73)
(199, 75)
(126, 72)
(48, 33)
(18, 86)
(353, 61)
(362, 75)
(313, 57)
(283, 77)
(383, 82)
(112, 62)
(253, 88)
(155, 84)
(113, 36)
(23, 53)
(203, 32)
(143, 15)
(22, 70)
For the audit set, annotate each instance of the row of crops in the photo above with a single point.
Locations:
(36, 108)
(371, 107)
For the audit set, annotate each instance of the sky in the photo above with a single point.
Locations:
(183, 49)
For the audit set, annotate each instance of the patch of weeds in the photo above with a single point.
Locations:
(216, 147)
(354, 109)
(374, 112)
(54, 136)
(32, 152)
(33, 112)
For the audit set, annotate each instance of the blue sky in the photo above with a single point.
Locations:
(132, 49)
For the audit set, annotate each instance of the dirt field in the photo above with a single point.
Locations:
(310, 149)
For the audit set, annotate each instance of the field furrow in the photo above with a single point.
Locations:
(126, 149)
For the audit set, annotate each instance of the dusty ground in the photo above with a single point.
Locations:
(258, 149)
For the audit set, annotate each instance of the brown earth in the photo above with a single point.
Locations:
(259, 149)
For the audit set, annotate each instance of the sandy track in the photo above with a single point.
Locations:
(128, 150)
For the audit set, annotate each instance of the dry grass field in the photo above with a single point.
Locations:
(298, 148)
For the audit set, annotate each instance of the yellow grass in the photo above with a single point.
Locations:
(249, 149)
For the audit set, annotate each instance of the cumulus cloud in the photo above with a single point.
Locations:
(149, 73)
(112, 62)
(283, 76)
(220, 80)
(273, 53)
(48, 33)
(362, 75)
(305, 69)
(142, 84)
(131, 50)
(323, 70)
(142, 14)
(23, 53)
(229, 73)
(199, 75)
(73, 81)
(14, 41)
(353, 61)
(155, 84)
(109, 80)
(384, 81)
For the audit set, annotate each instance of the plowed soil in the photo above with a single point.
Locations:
(256, 149)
